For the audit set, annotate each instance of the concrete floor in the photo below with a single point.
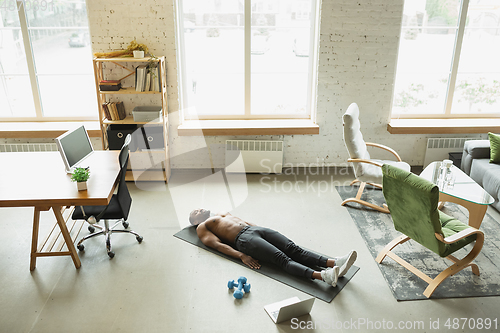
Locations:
(167, 285)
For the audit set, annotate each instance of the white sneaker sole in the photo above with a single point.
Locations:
(336, 276)
(333, 278)
(345, 267)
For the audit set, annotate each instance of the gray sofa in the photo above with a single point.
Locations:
(476, 163)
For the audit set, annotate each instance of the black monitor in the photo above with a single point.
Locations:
(74, 147)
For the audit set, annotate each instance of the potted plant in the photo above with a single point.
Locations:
(139, 50)
(80, 176)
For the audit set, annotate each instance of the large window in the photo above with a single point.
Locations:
(247, 59)
(45, 61)
(448, 63)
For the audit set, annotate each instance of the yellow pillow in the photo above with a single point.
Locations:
(494, 148)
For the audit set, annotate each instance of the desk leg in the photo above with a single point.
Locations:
(66, 235)
(34, 239)
(476, 211)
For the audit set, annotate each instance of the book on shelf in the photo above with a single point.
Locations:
(107, 114)
(147, 79)
(140, 78)
(155, 79)
(110, 85)
(114, 111)
(121, 110)
(148, 82)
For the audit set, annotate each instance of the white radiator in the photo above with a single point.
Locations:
(438, 148)
(27, 147)
(251, 156)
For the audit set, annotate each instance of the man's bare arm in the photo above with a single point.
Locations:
(211, 240)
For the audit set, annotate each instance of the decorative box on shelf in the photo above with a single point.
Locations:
(110, 85)
(147, 113)
(117, 133)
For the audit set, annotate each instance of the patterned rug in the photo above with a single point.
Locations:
(378, 230)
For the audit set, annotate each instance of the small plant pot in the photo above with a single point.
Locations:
(138, 54)
(82, 186)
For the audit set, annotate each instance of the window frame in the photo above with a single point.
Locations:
(311, 102)
(450, 90)
(33, 76)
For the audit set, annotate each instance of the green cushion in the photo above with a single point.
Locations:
(494, 148)
(451, 226)
(413, 203)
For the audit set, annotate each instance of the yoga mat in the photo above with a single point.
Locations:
(316, 288)
(377, 230)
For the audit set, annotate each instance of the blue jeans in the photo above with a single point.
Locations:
(267, 245)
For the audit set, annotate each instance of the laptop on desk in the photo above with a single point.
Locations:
(289, 308)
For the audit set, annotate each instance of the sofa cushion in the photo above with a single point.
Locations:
(487, 175)
(479, 168)
(494, 148)
(491, 182)
(472, 150)
(476, 163)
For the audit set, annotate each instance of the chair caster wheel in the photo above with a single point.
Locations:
(91, 229)
(139, 239)
(80, 247)
(125, 224)
(111, 254)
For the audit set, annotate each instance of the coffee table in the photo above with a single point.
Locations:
(465, 192)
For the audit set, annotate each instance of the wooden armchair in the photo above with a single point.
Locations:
(366, 170)
(413, 202)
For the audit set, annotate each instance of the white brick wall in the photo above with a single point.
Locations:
(115, 23)
(357, 61)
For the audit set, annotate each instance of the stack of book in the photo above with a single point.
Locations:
(110, 85)
(147, 80)
(114, 110)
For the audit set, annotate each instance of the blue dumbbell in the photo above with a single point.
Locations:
(242, 285)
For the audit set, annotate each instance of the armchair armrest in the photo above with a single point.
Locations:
(389, 149)
(360, 160)
(458, 236)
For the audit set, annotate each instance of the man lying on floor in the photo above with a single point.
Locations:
(255, 243)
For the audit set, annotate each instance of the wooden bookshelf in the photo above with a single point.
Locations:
(162, 174)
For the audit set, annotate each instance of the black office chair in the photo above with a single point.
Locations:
(117, 209)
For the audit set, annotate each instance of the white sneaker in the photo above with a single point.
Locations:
(331, 275)
(345, 262)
